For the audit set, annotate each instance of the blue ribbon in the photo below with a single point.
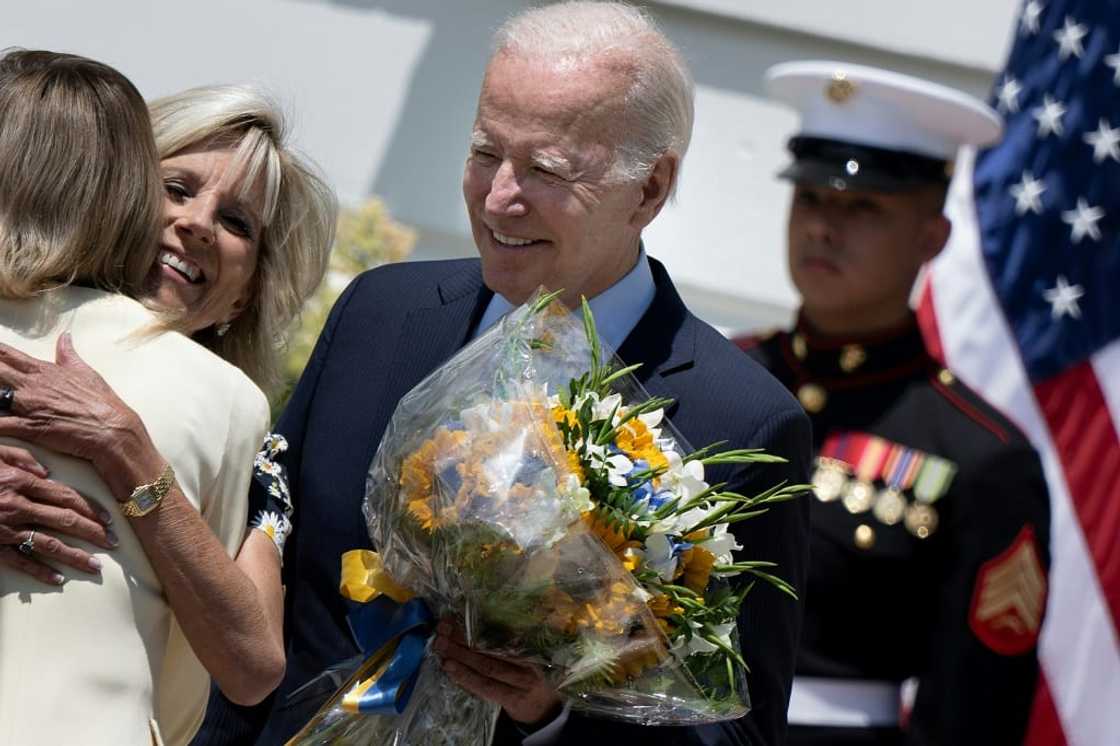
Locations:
(382, 627)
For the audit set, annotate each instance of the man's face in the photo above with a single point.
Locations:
(854, 256)
(543, 207)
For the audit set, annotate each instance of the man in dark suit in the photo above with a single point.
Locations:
(584, 116)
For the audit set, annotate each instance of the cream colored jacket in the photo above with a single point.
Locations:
(102, 660)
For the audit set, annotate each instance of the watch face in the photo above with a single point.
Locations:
(144, 499)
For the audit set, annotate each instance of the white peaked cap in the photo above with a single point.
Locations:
(882, 109)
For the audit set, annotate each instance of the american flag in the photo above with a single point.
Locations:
(1024, 304)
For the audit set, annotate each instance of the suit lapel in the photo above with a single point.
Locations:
(436, 329)
(664, 340)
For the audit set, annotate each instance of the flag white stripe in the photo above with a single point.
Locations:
(1106, 366)
(1078, 649)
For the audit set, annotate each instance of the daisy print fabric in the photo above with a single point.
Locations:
(270, 508)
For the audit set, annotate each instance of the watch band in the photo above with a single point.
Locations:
(147, 497)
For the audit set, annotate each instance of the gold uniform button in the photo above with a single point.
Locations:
(851, 357)
(800, 347)
(946, 377)
(865, 536)
(812, 397)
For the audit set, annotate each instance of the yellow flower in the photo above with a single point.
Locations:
(636, 441)
(696, 567)
(663, 608)
(416, 472)
(560, 611)
(576, 467)
(641, 654)
(562, 414)
(617, 540)
(631, 558)
(421, 510)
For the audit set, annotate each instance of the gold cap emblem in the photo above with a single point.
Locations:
(839, 89)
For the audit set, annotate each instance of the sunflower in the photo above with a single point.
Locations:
(696, 568)
(636, 440)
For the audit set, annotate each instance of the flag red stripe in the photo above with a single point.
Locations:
(1044, 727)
(1088, 447)
(927, 322)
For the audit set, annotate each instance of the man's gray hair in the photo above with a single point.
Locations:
(660, 99)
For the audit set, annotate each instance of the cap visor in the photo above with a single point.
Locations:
(833, 175)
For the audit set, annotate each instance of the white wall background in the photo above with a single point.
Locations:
(382, 95)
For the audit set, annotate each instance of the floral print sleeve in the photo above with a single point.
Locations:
(270, 502)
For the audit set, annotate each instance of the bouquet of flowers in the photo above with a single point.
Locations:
(531, 489)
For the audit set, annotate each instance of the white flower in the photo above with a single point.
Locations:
(579, 497)
(659, 556)
(618, 467)
(686, 479)
(652, 420)
(274, 443)
(722, 544)
(699, 645)
(271, 468)
(687, 520)
(604, 407)
(274, 525)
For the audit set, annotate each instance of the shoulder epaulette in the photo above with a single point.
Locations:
(945, 383)
(750, 341)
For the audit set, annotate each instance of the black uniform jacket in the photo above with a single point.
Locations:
(943, 577)
(392, 327)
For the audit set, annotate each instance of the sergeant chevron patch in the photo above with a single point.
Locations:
(1009, 597)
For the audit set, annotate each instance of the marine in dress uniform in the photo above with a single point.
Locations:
(930, 521)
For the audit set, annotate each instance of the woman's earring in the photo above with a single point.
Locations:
(222, 329)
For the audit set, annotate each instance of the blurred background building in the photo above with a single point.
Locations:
(382, 96)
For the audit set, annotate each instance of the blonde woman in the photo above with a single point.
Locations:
(243, 240)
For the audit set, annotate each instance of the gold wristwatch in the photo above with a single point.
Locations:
(147, 497)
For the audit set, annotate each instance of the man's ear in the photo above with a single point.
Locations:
(656, 188)
(933, 237)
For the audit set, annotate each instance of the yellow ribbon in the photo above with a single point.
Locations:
(364, 578)
(373, 668)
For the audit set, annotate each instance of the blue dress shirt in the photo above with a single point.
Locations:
(617, 309)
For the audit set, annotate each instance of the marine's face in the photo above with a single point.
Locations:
(854, 256)
(211, 236)
(543, 206)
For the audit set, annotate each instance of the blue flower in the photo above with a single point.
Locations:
(660, 498)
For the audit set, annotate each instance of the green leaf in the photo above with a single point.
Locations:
(620, 373)
(544, 301)
(592, 335)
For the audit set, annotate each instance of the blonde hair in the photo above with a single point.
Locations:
(299, 215)
(659, 101)
(80, 193)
